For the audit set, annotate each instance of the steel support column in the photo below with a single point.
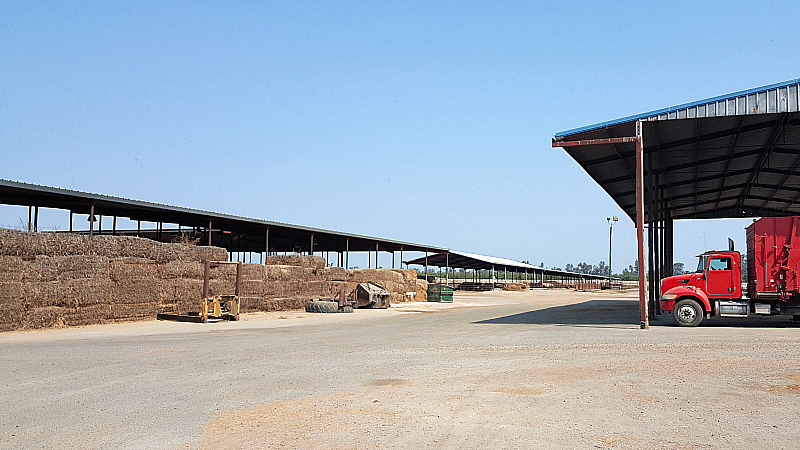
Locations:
(644, 322)
(669, 250)
(206, 272)
(662, 267)
(447, 269)
(266, 246)
(91, 221)
(651, 238)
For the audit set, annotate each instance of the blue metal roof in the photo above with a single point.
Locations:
(790, 87)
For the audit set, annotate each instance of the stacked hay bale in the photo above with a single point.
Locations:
(60, 279)
(515, 286)
(57, 279)
(309, 262)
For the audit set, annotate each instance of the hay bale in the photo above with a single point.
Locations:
(252, 271)
(89, 291)
(409, 275)
(12, 269)
(136, 290)
(181, 269)
(306, 261)
(422, 291)
(121, 271)
(44, 317)
(12, 292)
(252, 288)
(78, 267)
(12, 315)
(286, 273)
(29, 245)
(333, 273)
(39, 295)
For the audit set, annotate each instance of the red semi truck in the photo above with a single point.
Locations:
(715, 289)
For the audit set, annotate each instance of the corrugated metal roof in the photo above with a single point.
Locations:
(26, 194)
(774, 98)
(465, 260)
(735, 155)
(496, 261)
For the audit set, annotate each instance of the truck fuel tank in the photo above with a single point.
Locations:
(726, 308)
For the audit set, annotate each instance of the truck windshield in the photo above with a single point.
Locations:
(700, 266)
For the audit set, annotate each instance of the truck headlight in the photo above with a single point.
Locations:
(668, 296)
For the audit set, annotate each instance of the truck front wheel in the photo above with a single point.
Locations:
(687, 313)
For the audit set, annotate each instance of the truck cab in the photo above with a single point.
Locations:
(715, 286)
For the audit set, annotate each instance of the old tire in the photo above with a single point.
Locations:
(687, 313)
(316, 306)
(327, 307)
(346, 309)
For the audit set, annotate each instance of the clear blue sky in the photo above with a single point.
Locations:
(421, 121)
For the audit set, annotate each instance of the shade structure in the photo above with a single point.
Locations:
(735, 155)
(235, 233)
(463, 260)
(730, 156)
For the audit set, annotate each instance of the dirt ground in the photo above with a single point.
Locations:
(541, 369)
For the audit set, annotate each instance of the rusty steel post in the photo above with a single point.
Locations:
(447, 269)
(644, 322)
(91, 221)
(35, 219)
(311, 250)
(206, 275)
(238, 279)
(209, 232)
(669, 242)
(266, 256)
(30, 223)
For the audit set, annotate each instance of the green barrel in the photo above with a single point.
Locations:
(440, 293)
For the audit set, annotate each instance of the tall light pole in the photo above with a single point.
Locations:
(611, 222)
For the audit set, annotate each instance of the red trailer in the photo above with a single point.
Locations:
(715, 288)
